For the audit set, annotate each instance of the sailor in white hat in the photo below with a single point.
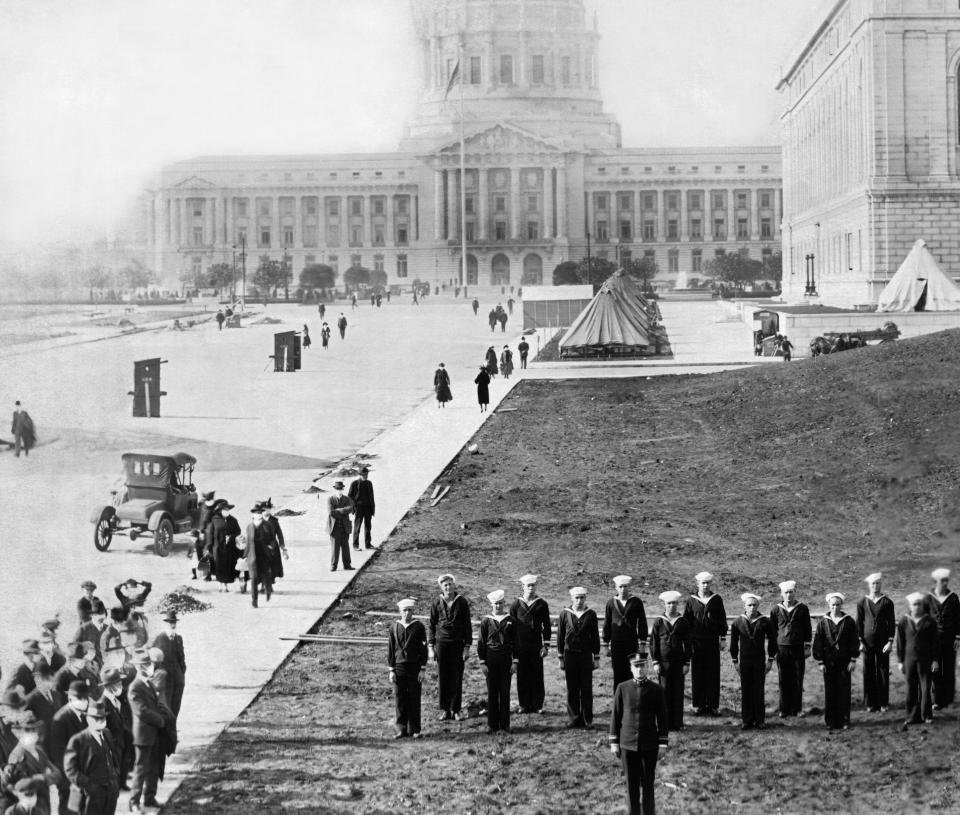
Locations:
(708, 629)
(836, 645)
(407, 658)
(578, 650)
(532, 616)
(496, 647)
(624, 628)
(670, 649)
(794, 631)
(917, 658)
(752, 637)
(944, 606)
(876, 625)
(449, 637)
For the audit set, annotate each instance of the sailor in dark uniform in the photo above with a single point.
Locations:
(917, 654)
(450, 636)
(532, 616)
(944, 606)
(407, 658)
(670, 650)
(835, 647)
(750, 632)
(578, 649)
(794, 632)
(624, 628)
(876, 625)
(496, 648)
(708, 622)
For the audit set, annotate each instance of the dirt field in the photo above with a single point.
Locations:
(822, 471)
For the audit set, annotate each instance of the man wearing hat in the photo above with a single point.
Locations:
(835, 648)
(794, 631)
(174, 661)
(50, 651)
(496, 648)
(28, 762)
(67, 722)
(449, 637)
(917, 654)
(24, 433)
(148, 721)
(92, 765)
(578, 650)
(23, 676)
(93, 630)
(708, 630)
(624, 628)
(278, 549)
(531, 614)
(339, 507)
(944, 606)
(11, 707)
(201, 542)
(45, 700)
(670, 650)
(86, 601)
(364, 505)
(638, 729)
(748, 634)
(132, 594)
(27, 794)
(407, 658)
(876, 625)
(258, 555)
(74, 670)
(119, 717)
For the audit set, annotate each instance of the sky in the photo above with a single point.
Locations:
(96, 95)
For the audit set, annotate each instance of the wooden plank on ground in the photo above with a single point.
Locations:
(440, 497)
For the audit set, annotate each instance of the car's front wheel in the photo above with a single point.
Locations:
(163, 537)
(103, 531)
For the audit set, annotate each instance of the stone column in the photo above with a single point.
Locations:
(210, 230)
(297, 222)
(453, 204)
(514, 202)
(731, 215)
(562, 203)
(483, 196)
(661, 198)
(684, 231)
(182, 239)
(547, 206)
(521, 76)
(368, 218)
(437, 205)
(591, 217)
(275, 241)
(389, 237)
(755, 214)
(493, 70)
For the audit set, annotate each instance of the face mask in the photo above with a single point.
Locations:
(29, 740)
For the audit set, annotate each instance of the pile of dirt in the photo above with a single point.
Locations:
(820, 470)
(182, 601)
(266, 321)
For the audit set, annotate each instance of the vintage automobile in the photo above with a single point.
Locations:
(157, 498)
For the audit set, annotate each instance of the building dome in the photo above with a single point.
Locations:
(532, 63)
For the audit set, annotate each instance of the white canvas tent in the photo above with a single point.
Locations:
(920, 285)
(615, 321)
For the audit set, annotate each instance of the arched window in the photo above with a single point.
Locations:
(472, 276)
(532, 270)
(500, 270)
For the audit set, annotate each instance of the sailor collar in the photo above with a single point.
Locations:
(671, 621)
(789, 609)
(406, 625)
(751, 619)
(499, 619)
(876, 599)
(940, 599)
(578, 614)
(702, 600)
(835, 620)
(531, 601)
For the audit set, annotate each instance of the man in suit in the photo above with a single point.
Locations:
(259, 556)
(24, 435)
(23, 676)
(67, 722)
(339, 507)
(638, 729)
(91, 765)
(174, 662)
(148, 721)
(93, 630)
(119, 718)
(361, 493)
(44, 701)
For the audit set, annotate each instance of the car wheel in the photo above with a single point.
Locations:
(103, 531)
(163, 537)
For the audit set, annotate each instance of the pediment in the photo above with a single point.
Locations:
(194, 182)
(501, 138)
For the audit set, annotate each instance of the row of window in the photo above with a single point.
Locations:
(378, 206)
(695, 200)
(539, 72)
(333, 175)
(649, 230)
(696, 257)
(355, 235)
(333, 261)
(693, 169)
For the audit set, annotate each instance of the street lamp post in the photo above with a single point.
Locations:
(233, 282)
(283, 271)
(243, 271)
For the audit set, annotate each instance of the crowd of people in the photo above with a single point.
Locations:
(650, 665)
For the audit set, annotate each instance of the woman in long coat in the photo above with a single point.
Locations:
(483, 388)
(506, 362)
(306, 336)
(214, 537)
(224, 549)
(441, 386)
(492, 362)
(260, 535)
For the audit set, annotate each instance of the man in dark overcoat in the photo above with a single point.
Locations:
(24, 433)
(339, 507)
(364, 505)
(92, 765)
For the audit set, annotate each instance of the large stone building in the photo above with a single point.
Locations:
(870, 155)
(544, 168)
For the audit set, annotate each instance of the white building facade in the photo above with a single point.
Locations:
(870, 148)
(544, 169)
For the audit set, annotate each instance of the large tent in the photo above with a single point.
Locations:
(920, 285)
(615, 321)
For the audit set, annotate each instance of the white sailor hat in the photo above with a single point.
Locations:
(622, 580)
(529, 579)
(496, 596)
(444, 578)
(406, 603)
(670, 596)
(873, 578)
(703, 577)
(578, 591)
(915, 597)
(833, 594)
(940, 574)
(746, 597)
(788, 585)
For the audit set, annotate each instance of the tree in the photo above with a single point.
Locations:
(220, 276)
(773, 268)
(595, 271)
(317, 276)
(268, 275)
(734, 268)
(135, 275)
(566, 274)
(643, 269)
(356, 276)
(378, 279)
(97, 278)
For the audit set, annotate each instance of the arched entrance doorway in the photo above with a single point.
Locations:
(472, 273)
(500, 270)
(532, 271)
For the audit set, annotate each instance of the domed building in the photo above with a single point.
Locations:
(544, 173)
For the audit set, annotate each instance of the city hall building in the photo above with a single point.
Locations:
(871, 148)
(545, 171)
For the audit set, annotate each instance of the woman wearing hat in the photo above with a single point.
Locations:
(497, 650)
(441, 386)
(836, 646)
(482, 382)
(29, 761)
(224, 550)
(506, 362)
(491, 362)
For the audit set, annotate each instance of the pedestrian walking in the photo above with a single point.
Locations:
(944, 606)
(223, 545)
(44, 701)
(917, 656)
(638, 730)
(492, 319)
(532, 617)
(524, 349)
(441, 386)
(708, 628)
(449, 637)
(578, 651)
(835, 648)
(307, 342)
(148, 725)
(794, 632)
(416, 300)
(407, 658)
(491, 360)
(877, 627)
(342, 325)
(786, 348)
(174, 661)
(66, 723)
(482, 382)
(339, 507)
(322, 310)
(496, 648)
(364, 507)
(325, 336)
(510, 305)
(475, 305)
(221, 318)
(752, 636)
(86, 601)
(278, 546)
(353, 300)
(23, 430)
(202, 541)
(624, 628)
(119, 717)
(506, 362)
(502, 318)
(259, 561)
(670, 651)
(92, 766)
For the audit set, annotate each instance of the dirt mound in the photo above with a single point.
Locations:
(266, 321)
(182, 601)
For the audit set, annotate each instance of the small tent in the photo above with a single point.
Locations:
(920, 285)
(615, 321)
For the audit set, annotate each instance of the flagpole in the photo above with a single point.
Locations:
(463, 181)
